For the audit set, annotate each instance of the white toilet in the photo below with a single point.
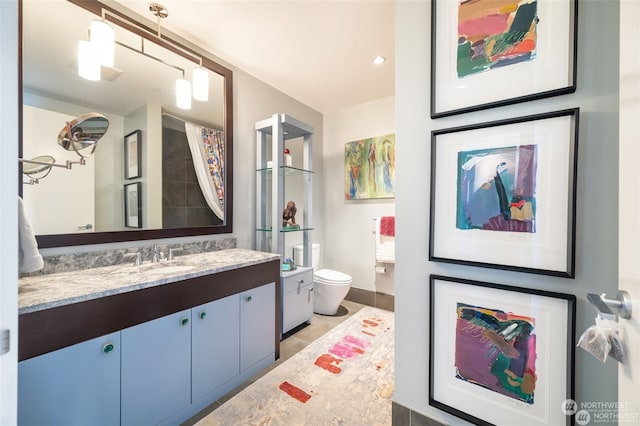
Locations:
(329, 287)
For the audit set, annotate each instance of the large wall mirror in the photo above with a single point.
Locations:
(159, 171)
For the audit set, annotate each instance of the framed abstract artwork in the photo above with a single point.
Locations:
(369, 168)
(503, 194)
(133, 155)
(501, 354)
(490, 53)
(133, 205)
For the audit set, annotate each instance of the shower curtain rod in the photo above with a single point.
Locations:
(177, 117)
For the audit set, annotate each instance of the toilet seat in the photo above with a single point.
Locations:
(331, 277)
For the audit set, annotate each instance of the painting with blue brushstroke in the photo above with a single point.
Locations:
(497, 189)
(370, 168)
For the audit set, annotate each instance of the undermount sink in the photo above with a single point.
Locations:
(167, 269)
(160, 268)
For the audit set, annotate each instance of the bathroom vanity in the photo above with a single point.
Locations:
(149, 344)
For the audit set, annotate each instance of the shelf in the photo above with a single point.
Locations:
(287, 170)
(271, 176)
(284, 230)
(291, 127)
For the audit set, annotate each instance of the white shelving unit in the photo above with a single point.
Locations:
(271, 175)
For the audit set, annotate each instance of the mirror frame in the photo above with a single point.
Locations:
(63, 240)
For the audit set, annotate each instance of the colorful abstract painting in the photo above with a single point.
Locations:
(497, 189)
(369, 168)
(495, 33)
(496, 350)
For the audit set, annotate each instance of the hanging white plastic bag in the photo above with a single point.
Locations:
(602, 340)
(595, 341)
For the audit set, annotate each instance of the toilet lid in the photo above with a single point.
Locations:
(331, 275)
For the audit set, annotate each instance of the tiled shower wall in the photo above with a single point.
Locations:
(183, 205)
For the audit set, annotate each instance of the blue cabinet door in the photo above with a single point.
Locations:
(156, 369)
(257, 324)
(215, 345)
(77, 385)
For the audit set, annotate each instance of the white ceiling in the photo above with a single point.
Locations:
(317, 51)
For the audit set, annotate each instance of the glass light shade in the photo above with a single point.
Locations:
(103, 40)
(200, 80)
(183, 94)
(88, 65)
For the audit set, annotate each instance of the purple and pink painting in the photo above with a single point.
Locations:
(495, 33)
(497, 189)
(496, 350)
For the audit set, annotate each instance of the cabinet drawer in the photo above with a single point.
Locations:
(296, 282)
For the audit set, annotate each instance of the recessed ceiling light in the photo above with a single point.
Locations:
(379, 60)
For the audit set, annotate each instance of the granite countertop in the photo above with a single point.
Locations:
(41, 292)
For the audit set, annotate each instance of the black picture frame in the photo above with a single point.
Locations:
(133, 205)
(525, 221)
(133, 155)
(531, 334)
(546, 67)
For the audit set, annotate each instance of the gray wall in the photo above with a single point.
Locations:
(597, 196)
(255, 101)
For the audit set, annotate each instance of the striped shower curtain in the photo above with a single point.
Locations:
(207, 151)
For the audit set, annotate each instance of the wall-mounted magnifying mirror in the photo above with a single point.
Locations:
(83, 133)
(37, 168)
(147, 141)
(77, 135)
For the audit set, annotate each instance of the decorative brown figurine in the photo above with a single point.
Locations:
(289, 214)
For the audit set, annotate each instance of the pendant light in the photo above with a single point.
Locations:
(88, 64)
(99, 52)
(103, 40)
(183, 93)
(200, 79)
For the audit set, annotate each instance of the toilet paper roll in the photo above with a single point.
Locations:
(381, 269)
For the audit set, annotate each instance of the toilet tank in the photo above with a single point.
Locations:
(298, 257)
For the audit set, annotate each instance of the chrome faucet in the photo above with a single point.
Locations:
(156, 254)
(138, 257)
(172, 250)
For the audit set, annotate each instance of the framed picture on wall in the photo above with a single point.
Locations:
(133, 155)
(489, 53)
(501, 354)
(369, 168)
(133, 205)
(503, 194)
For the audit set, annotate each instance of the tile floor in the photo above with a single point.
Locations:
(293, 341)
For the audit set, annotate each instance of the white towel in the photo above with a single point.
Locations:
(385, 246)
(29, 258)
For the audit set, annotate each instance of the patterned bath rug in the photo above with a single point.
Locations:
(343, 378)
